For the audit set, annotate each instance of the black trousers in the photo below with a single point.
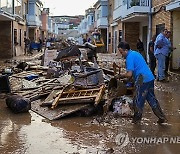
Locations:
(152, 62)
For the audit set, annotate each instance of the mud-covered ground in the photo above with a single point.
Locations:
(29, 133)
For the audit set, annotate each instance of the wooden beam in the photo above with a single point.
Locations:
(99, 95)
(55, 103)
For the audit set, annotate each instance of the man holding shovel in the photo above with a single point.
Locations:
(137, 68)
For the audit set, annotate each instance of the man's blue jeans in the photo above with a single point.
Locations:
(161, 66)
(144, 92)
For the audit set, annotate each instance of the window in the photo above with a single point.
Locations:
(20, 37)
(120, 35)
(92, 19)
(25, 34)
(15, 37)
(109, 41)
(18, 7)
(159, 28)
(7, 6)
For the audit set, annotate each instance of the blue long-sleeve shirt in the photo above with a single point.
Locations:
(161, 45)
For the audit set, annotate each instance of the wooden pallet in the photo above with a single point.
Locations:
(80, 95)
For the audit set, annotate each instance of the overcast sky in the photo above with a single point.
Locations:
(68, 7)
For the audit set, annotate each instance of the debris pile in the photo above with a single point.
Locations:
(69, 79)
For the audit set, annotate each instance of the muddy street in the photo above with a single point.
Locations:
(30, 133)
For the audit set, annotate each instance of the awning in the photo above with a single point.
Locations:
(173, 6)
(5, 17)
(136, 18)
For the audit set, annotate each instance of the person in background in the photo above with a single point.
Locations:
(40, 45)
(137, 68)
(152, 58)
(169, 55)
(161, 51)
(27, 45)
(140, 48)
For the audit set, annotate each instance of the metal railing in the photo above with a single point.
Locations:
(132, 3)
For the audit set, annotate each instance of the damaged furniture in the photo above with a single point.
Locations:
(79, 96)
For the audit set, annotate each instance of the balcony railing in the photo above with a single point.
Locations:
(33, 20)
(132, 3)
(131, 7)
(102, 22)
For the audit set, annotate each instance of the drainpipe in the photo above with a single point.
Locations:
(107, 39)
(149, 26)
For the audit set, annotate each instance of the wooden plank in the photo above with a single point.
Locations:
(74, 98)
(77, 101)
(99, 95)
(50, 97)
(38, 67)
(59, 112)
(77, 91)
(108, 71)
(55, 103)
(25, 73)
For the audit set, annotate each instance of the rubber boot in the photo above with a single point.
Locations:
(137, 114)
(137, 117)
(159, 113)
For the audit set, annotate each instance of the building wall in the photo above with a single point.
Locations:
(131, 33)
(176, 40)
(156, 3)
(44, 21)
(162, 16)
(6, 41)
(21, 31)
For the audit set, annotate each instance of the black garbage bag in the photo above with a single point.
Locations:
(68, 52)
(4, 84)
(22, 65)
(18, 104)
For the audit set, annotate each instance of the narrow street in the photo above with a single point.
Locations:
(75, 75)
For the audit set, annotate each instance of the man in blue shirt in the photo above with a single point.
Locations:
(161, 51)
(137, 68)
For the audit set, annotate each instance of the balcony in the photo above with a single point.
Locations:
(174, 5)
(33, 21)
(102, 22)
(130, 8)
(90, 28)
(6, 13)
